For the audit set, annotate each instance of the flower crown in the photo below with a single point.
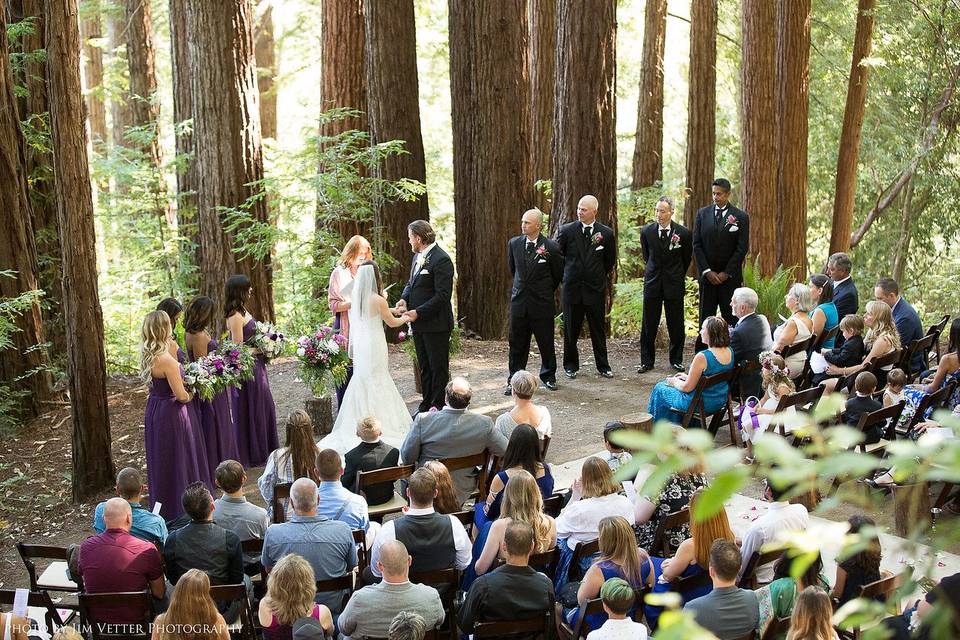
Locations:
(766, 361)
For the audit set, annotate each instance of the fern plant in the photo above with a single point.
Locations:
(771, 291)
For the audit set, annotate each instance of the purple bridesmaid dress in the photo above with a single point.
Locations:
(206, 476)
(172, 460)
(216, 424)
(254, 413)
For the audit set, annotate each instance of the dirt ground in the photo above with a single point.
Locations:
(35, 463)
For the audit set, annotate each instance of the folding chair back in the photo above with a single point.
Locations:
(804, 401)
(824, 337)
(880, 416)
(745, 368)
(340, 583)
(661, 545)
(95, 612)
(379, 476)
(797, 347)
(243, 627)
(360, 539)
(689, 583)
(553, 505)
(466, 519)
(920, 345)
(281, 492)
(507, 628)
(54, 576)
(936, 330)
(697, 411)
(582, 550)
(749, 578)
(480, 460)
(545, 562)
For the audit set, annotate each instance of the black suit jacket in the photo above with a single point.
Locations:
(370, 456)
(750, 336)
(721, 248)
(850, 353)
(846, 298)
(856, 407)
(428, 292)
(507, 593)
(536, 276)
(666, 268)
(587, 263)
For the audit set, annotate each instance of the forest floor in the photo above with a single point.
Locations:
(35, 503)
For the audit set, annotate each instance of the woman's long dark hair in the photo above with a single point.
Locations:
(825, 285)
(869, 558)
(954, 344)
(810, 577)
(301, 446)
(235, 295)
(523, 450)
(199, 314)
(172, 307)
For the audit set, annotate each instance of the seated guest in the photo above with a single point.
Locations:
(291, 590)
(882, 338)
(862, 567)
(941, 606)
(371, 454)
(824, 315)
(845, 294)
(893, 392)
(727, 611)
(777, 383)
(116, 561)
(191, 605)
(296, 459)
(372, 609)
(511, 592)
(750, 337)
(446, 500)
(234, 513)
(781, 517)
(777, 598)
(948, 370)
(618, 601)
(649, 511)
(434, 541)
(676, 392)
(452, 432)
(147, 525)
(407, 625)
(812, 617)
(336, 501)
(522, 386)
(905, 317)
(848, 352)
(615, 455)
(798, 327)
(523, 454)
(861, 403)
(326, 544)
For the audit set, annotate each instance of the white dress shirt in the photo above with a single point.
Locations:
(779, 518)
(625, 629)
(580, 520)
(422, 256)
(460, 540)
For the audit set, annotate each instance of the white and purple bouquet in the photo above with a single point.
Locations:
(323, 356)
(233, 364)
(269, 340)
(200, 379)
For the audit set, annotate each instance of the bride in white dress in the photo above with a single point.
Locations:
(371, 391)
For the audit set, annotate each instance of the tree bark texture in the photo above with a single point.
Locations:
(120, 116)
(542, 17)
(701, 109)
(492, 181)
(186, 164)
(759, 135)
(648, 150)
(793, 79)
(846, 186)
(18, 252)
(394, 114)
(93, 468)
(227, 141)
(266, 68)
(90, 29)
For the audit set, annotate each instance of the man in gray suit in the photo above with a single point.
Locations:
(749, 337)
(451, 433)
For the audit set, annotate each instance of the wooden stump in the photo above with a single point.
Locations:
(320, 411)
(911, 508)
(641, 421)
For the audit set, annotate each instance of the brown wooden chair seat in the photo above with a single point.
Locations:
(696, 411)
(661, 545)
(378, 476)
(101, 628)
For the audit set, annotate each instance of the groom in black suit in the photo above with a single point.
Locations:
(425, 303)
(589, 251)
(667, 249)
(721, 238)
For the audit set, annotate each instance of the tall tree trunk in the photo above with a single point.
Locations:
(648, 150)
(22, 365)
(394, 114)
(90, 29)
(93, 468)
(492, 180)
(902, 253)
(266, 68)
(120, 116)
(846, 185)
(793, 78)
(542, 16)
(759, 155)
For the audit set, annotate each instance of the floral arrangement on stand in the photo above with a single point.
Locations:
(323, 359)
(269, 340)
(230, 366)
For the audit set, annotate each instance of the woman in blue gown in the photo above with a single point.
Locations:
(523, 453)
(825, 316)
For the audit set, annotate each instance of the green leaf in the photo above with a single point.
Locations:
(723, 485)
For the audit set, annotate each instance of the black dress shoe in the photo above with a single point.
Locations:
(678, 367)
(570, 373)
(550, 384)
(508, 391)
(607, 373)
(644, 368)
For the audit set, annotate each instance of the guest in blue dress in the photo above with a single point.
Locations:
(948, 370)
(254, 412)
(172, 458)
(825, 316)
(676, 392)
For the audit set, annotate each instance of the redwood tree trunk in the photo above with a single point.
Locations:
(542, 16)
(182, 112)
(648, 150)
(93, 74)
(492, 180)
(93, 468)
(701, 109)
(846, 186)
(18, 251)
(793, 77)
(227, 142)
(759, 136)
(266, 69)
(394, 114)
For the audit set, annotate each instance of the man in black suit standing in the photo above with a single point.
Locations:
(425, 301)
(845, 294)
(590, 251)
(537, 269)
(667, 249)
(721, 237)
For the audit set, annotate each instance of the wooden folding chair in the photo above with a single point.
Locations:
(466, 519)
(920, 345)
(340, 583)
(661, 545)
(776, 628)
(544, 562)
(745, 368)
(553, 504)
(39, 606)
(363, 556)
(250, 547)
(506, 628)
(936, 330)
(887, 416)
(446, 582)
(803, 346)
(581, 551)
(477, 460)
(54, 576)
(806, 376)
(883, 588)
(804, 401)
(544, 445)
(748, 580)
(697, 411)
(243, 627)
(581, 628)
(281, 492)
(689, 583)
(379, 476)
(927, 402)
(103, 628)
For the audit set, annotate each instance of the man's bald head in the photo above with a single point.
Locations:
(531, 223)
(394, 561)
(459, 393)
(587, 209)
(117, 514)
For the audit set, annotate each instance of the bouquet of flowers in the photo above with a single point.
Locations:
(269, 340)
(323, 355)
(233, 364)
(200, 379)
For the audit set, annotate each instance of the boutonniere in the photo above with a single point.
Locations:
(732, 223)
(422, 261)
(597, 238)
(674, 242)
(542, 252)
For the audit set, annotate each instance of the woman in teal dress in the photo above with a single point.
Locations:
(676, 392)
(777, 598)
(825, 315)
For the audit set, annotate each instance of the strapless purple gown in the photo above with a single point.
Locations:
(254, 413)
(216, 424)
(205, 474)
(172, 458)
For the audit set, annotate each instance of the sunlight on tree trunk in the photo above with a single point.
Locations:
(542, 17)
(648, 148)
(265, 54)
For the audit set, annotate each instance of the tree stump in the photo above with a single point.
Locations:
(320, 411)
(911, 507)
(641, 421)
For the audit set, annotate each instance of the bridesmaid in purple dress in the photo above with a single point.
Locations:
(219, 434)
(172, 459)
(254, 412)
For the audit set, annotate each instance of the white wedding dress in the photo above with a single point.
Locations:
(371, 392)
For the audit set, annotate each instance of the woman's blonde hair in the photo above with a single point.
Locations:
(192, 614)
(446, 500)
(597, 478)
(618, 544)
(812, 616)
(523, 502)
(291, 589)
(883, 325)
(154, 333)
(706, 532)
(352, 249)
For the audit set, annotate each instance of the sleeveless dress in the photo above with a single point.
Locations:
(277, 631)
(833, 319)
(172, 458)
(664, 396)
(480, 519)
(796, 361)
(206, 474)
(651, 612)
(216, 424)
(609, 570)
(254, 412)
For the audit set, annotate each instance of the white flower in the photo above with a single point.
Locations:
(301, 351)
(332, 346)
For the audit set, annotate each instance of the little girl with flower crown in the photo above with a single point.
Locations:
(776, 384)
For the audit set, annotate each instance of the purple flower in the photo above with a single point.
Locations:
(401, 336)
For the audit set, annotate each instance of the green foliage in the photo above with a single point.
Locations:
(10, 310)
(771, 291)
(626, 315)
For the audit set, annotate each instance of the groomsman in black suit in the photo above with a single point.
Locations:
(426, 302)
(845, 294)
(721, 237)
(537, 269)
(590, 251)
(667, 249)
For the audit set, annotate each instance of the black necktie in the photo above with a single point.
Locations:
(530, 245)
(663, 234)
(587, 232)
(719, 214)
